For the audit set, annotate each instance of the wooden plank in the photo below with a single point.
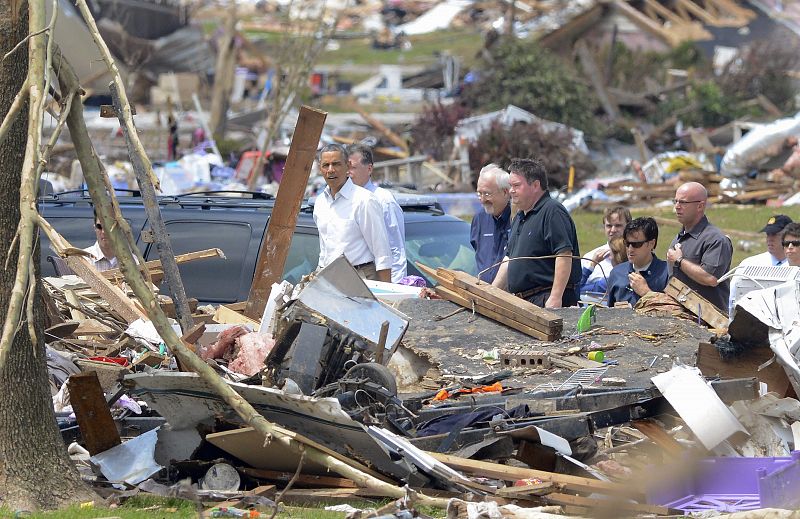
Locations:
(115, 297)
(381, 128)
(98, 430)
(540, 316)
(92, 327)
(508, 321)
(596, 504)
(538, 489)
(744, 365)
(691, 300)
(72, 298)
(302, 479)
(225, 314)
(590, 68)
(155, 265)
(279, 231)
(660, 437)
(509, 473)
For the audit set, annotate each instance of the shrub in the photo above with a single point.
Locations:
(433, 131)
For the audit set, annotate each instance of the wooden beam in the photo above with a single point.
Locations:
(115, 297)
(563, 37)
(279, 231)
(691, 300)
(382, 129)
(302, 480)
(591, 70)
(98, 430)
(537, 315)
(155, 265)
(509, 473)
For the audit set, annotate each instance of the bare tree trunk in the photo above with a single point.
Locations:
(35, 470)
(223, 77)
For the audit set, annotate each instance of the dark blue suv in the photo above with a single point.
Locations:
(235, 223)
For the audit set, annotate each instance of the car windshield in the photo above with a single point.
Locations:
(439, 244)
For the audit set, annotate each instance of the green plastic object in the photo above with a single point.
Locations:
(587, 319)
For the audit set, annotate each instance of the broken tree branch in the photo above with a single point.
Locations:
(37, 50)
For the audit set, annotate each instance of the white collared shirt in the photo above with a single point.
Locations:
(395, 228)
(598, 269)
(99, 260)
(351, 223)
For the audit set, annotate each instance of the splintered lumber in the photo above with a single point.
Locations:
(280, 228)
(98, 430)
(115, 297)
(693, 301)
(494, 303)
(508, 473)
(155, 266)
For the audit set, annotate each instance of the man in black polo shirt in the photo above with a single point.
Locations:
(700, 254)
(542, 227)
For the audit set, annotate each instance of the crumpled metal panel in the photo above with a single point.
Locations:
(340, 295)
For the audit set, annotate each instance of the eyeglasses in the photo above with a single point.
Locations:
(793, 243)
(684, 202)
(98, 226)
(635, 244)
(484, 194)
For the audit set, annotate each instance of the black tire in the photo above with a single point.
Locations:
(375, 372)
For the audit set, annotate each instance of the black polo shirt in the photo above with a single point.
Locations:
(545, 230)
(705, 245)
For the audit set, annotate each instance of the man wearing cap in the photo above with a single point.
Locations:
(489, 230)
(700, 254)
(775, 256)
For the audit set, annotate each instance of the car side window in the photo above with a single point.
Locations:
(303, 256)
(210, 280)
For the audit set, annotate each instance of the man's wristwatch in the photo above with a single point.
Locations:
(678, 262)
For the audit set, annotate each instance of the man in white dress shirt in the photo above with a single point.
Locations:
(350, 220)
(360, 170)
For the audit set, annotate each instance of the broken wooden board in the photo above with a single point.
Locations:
(249, 446)
(691, 300)
(231, 314)
(303, 480)
(745, 364)
(98, 430)
(115, 297)
(509, 473)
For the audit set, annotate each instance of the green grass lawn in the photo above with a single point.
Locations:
(152, 507)
(458, 42)
(734, 217)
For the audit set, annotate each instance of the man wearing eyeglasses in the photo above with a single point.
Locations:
(542, 229)
(102, 253)
(643, 272)
(700, 254)
(489, 230)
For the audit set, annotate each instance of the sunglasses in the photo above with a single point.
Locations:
(635, 244)
(794, 243)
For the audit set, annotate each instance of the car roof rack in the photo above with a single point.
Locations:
(255, 195)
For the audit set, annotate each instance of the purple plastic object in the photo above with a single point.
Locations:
(728, 484)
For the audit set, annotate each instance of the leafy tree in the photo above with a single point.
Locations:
(500, 143)
(433, 131)
(521, 73)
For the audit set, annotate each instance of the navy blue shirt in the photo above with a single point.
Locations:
(489, 236)
(545, 230)
(620, 289)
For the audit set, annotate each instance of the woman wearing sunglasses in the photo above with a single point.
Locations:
(791, 243)
(643, 272)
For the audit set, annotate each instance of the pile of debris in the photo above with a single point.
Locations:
(475, 435)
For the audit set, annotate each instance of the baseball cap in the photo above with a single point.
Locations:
(776, 224)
